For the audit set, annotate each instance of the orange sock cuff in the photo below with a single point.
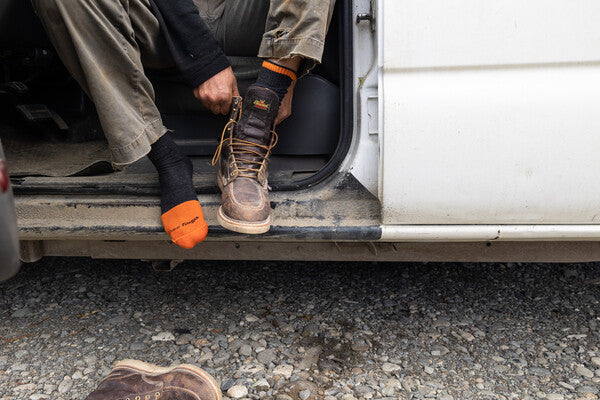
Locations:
(279, 69)
(185, 224)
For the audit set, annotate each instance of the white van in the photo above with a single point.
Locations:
(462, 130)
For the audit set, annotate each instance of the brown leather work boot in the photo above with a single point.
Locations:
(246, 145)
(136, 380)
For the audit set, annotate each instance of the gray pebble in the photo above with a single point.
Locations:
(65, 385)
(540, 371)
(237, 391)
(581, 370)
(324, 331)
(137, 346)
(21, 353)
(226, 384)
(390, 367)
(184, 339)
(266, 356)
(163, 337)
(22, 313)
(246, 350)
(587, 389)
(118, 320)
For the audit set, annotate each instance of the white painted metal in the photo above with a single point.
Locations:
(363, 160)
(440, 33)
(490, 113)
(478, 233)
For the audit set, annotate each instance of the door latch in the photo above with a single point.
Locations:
(370, 17)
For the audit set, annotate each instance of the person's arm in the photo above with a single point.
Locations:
(193, 47)
(196, 53)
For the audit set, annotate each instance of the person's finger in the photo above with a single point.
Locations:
(215, 108)
(206, 103)
(226, 105)
(209, 101)
(284, 113)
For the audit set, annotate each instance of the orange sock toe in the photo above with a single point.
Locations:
(185, 224)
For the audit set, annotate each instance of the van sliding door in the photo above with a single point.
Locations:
(491, 112)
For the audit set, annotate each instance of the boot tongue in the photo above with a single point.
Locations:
(261, 106)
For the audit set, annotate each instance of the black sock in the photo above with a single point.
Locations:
(276, 77)
(175, 173)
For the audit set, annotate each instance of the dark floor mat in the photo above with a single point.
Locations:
(56, 159)
(141, 178)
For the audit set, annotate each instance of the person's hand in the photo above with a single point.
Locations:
(285, 109)
(217, 93)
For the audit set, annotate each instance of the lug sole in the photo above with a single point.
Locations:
(151, 369)
(249, 228)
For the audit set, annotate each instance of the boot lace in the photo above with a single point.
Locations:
(241, 149)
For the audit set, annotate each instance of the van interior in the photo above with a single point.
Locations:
(54, 143)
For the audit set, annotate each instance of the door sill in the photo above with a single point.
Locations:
(339, 209)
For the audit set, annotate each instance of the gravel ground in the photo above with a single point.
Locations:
(308, 330)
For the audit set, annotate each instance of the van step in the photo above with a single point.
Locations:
(340, 209)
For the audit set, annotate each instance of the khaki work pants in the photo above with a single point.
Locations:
(106, 44)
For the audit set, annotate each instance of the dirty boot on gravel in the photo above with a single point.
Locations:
(246, 145)
(132, 379)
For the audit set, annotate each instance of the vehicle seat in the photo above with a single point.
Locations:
(313, 129)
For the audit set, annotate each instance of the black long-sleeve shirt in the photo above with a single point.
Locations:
(194, 49)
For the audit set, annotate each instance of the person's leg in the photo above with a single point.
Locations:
(292, 45)
(295, 33)
(294, 39)
(241, 26)
(104, 43)
(97, 42)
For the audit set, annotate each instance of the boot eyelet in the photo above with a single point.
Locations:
(138, 398)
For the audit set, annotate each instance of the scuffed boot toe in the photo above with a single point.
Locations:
(245, 207)
(132, 379)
